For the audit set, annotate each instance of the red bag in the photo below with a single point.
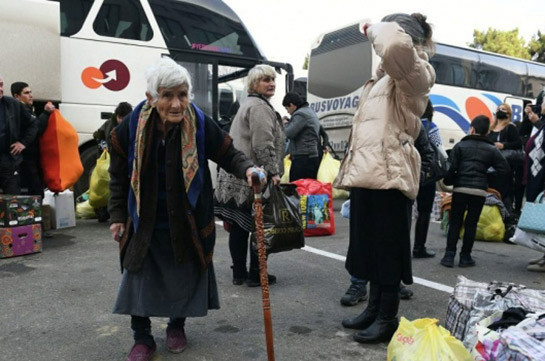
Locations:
(316, 207)
(59, 154)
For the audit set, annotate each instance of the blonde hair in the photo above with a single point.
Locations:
(509, 112)
(256, 74)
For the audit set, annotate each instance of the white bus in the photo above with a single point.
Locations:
(88, 55)
(469, 82)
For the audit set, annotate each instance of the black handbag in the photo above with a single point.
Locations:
(513, 156)
(281, 219)
(438, 168)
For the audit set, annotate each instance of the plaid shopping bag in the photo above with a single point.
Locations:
(457, 318)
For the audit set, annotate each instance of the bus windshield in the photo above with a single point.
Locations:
(186, 25)
(347, 49)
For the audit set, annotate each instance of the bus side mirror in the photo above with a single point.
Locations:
(289, 82)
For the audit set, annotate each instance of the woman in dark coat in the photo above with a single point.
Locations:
(161, 207)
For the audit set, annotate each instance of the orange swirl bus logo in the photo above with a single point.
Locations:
(112, 74)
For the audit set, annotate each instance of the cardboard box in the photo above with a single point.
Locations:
(63, 210)
(20, 240)
(19, 210)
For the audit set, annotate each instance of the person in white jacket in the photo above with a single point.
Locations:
(382, 168)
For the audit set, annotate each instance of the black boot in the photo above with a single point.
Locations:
(254, 281)
(239, 274)
(366, 318)
(385, 325)
(420, 235)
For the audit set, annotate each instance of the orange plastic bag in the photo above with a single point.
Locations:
(59, 154)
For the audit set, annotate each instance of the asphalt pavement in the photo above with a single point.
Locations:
(57, 305)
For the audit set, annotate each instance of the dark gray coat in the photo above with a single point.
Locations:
(303, 131)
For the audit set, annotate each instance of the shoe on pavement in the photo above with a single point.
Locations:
(466, 260)
(253, 281)
(176, 340)
(405, 293)
(537, 267)
(141, 352)
(537, 260)
(423, 252)
(355, 294)
(448, 259)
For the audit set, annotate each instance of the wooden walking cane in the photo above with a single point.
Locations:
(263, 275)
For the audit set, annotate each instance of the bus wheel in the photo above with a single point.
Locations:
(89, 159)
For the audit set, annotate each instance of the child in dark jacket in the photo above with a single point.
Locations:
(470, 160)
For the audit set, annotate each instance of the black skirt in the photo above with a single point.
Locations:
(380, 245)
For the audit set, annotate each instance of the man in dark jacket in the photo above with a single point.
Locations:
(470, 160)
(31, 169)
(303, 132)
(18, 129)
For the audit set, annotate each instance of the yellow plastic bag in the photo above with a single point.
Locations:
(99, 189)
(490, 226)
(424, 340)
(287, 165)
(85, 211)
(329, 168)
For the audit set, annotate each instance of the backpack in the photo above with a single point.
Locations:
(438, 167)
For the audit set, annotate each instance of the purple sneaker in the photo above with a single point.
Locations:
(176, 340)
(141, 352)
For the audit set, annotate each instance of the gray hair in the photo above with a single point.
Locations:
(257, 73)
(166, 73)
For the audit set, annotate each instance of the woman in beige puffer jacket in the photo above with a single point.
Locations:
(382, 168)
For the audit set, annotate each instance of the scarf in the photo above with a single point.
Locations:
(192, 130)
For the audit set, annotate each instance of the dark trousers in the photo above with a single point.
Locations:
(9, 175)
(238, 246)
(460, 203)
(425, 198)
(303, 166)
(32, 179)
(141, 327)
(519, 188)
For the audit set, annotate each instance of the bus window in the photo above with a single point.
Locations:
(336, 72)
(454, 66)
(123, 19)
(501, 74)
(536, 80)
(190, 26)
(73, 14)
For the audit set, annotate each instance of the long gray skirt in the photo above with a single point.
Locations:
(162, 288)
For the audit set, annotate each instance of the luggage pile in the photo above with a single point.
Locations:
(20, 228)
(498, 320)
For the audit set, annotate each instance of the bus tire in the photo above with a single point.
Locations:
(88, 157)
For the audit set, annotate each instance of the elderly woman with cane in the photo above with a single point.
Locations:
(382, 169)
(161, 207)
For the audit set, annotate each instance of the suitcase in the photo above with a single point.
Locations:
(21, 240)
(20, 210)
